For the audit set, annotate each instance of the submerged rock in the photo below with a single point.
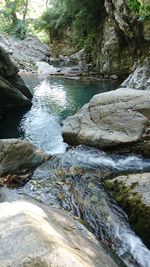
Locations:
(18, 158)
(33, 234)
(112, 119)
(132, 192)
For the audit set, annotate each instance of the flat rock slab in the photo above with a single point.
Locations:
(110, 119)
(33, 234)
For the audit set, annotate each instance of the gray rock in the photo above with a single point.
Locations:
(18, 155)
(33, 234)
(140, 78)
(109, 119)
(132, 192)
(25, 53)
(13, 91)
(11, 97)
(120, 41)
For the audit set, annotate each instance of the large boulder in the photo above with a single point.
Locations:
(33, 234)
(13, 91)
(9, 72)
(132, 192)
(18, 157)
(111, 120)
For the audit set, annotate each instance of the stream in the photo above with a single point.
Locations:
(73, 179)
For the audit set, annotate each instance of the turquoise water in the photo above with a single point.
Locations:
(64, 97)
(58, 96)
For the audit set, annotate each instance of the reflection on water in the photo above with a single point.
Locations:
(54, 99)
(51, 97)
(64, 97)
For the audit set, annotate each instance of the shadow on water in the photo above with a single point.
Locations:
(10, 126)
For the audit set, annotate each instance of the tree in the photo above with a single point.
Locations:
(14, 13)
(141, 7)
(83, 18)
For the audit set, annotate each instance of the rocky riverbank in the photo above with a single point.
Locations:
(37, 235)
(115, 121)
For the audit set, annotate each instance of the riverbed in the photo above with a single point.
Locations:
(73, 179)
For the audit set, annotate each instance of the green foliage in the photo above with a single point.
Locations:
(9, 21)
(81, 17)
(142, 9)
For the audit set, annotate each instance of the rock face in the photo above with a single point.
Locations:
(120, 39)
(112, 119)
(25, 53)
(33, 234)
(132, 192)
(13, 91)
(18, 156)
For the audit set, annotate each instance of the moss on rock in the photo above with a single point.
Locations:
(133, 204)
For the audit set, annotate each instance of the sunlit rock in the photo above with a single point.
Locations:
(140, 78)
(25, 53)
(119, 117)
(33, 234)
(45, 69)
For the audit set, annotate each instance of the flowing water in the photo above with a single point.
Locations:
(73, 178)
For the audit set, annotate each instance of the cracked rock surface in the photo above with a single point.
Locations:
(111, 119)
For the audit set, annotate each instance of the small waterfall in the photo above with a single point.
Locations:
(85, 197)
(91, 157)
(40, 126)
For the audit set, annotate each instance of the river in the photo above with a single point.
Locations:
(73, 179)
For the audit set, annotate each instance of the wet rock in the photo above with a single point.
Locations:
(18, 159)
(33, 234)
(80, 191)
(111, 119)
(132, 192)
(25, 53)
